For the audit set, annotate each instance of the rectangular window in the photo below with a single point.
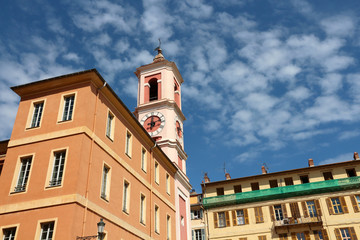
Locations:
(47, 230)
(143, 159)
(259, 215)
(278, 213)
(328, 176)
(68, 108)
(300, 236)
(128, 143)
(336, 205)
(36, 118)
(110, 126)
(262, 237)
(255, 186)
(126, 196)
(198, 234)
(311, 208)
(237, 189)
(273, 183)
(355, 200)
(345, 233)
(222, 220)
(196, 214)
(304, 179)
(104, 182)
(156, 173)
(1, 165)
(321, 235)
(240, 217)
(283, 236)
(9, 233)
(58, 169)
(220, 191)
(23, 174)
(168, 227)
(142, 209)
(351, 172)
(288, 181)
(156, 222)
(168, 184)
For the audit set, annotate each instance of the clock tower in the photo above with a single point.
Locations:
(159, 106)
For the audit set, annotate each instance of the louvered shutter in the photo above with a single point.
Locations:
(283, 206)
(193, 234)
(307, 235)
(227, 217)
(201, 213)
(259, 215)
(354, 203)
(352, 233)
(234, 217)
(202, 234)
(305, 210)
(318, 208)
(293, 236)
(216, 225)
(343, 205)
(325, 235)
(329, 205)
(271, 209)
(246, 216)
(316, 235)
(337, 234)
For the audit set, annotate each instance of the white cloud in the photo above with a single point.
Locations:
(349, 134)
(331, 83)
(299, 94)
(72, 57)
(340, 25)
(340, 158)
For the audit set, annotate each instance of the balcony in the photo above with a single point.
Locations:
(288, 224)
(283, 192)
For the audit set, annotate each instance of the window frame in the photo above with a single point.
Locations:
(110, 125)
(105, 182)
(126, 197)
(168, 186)
(142, 209)
(64, 115)
(156, 219)
(168, 227)
(52, 182)
(156, 173)
(143, 159)
(35, 122)
(128, 143)
(9, 228)
(18, 188)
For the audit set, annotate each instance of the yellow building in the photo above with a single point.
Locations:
(312, 203)
(198, 226)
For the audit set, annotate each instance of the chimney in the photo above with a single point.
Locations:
(227, 176)
(263, 170)
(356, 156)
(206, 178)
(311, 162)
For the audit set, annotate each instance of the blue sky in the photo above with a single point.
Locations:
(274, 82)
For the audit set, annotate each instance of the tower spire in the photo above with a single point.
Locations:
(159, 57)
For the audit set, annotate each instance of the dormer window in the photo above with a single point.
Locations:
(153, 89)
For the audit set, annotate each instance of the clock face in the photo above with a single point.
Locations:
(153, 122)
(178, 129)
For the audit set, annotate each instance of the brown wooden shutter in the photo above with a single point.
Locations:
(259, 215)
(352, 233)
(246, 216)
(227, 217)
(318, 208)
(316, 235)
(234, 217)
(354, 203)
(283, 206)
(216, 225)
(329, 205)
(293, 236)
(294, 208)
(271, 209)
(343, 205)
(307, 235)
(305, 210)
(337, 234)
(325, 235)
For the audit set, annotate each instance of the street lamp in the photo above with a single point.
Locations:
(101, 234)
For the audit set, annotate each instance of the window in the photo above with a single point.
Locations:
(328, 176)
(198, 234)
(1, 166)
(143, 159)
(220, 191)
(58, 169)
(222, 221)
(262, 237)
(104, 183)
(196, 214)
(23, 174)
(278, 211)
(311, 208)
(128, 143)
(168, 184)
(126, 197)
(153, 89)
(240, 217)
(336, 205)
(255, 186)
(259, 215)
(110, 126)
(321, 235)
(273, 183)
(156, 222)
(355, 200)
(345, 233)
(142, 209)
(36, 118)
(300, 236)
(68, 108)
(156, 173)
(9, 233)
(237, 189)
(47, 230)
(283, 236)
(351, 172)
(288, 181)
(304, 179)
(168, 227)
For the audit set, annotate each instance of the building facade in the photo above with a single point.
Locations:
(77, 154)
(312, 203)
(198, 222)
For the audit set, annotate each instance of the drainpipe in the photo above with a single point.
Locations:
(151, 185)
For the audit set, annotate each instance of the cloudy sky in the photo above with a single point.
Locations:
(266, 81)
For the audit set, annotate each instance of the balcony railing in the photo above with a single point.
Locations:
(283, 192)
(290, 223)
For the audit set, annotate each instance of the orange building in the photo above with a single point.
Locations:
(77, 154)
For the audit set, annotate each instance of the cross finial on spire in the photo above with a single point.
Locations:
(159, 57)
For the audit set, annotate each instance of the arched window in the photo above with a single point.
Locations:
(153, 89)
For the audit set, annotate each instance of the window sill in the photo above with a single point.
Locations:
(63, 121)
(104, 198)
(29, 128)
(112, 140)
(142, 223)
(157, 232)
(128, 155)
(126, 211)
